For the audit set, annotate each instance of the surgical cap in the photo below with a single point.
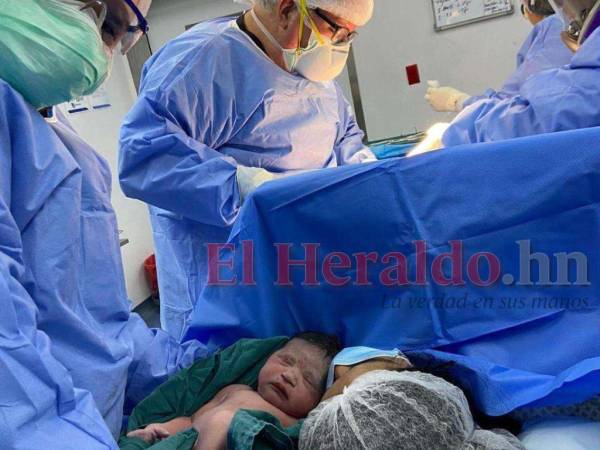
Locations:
(539, 7)
(357, 12)
(387, 410)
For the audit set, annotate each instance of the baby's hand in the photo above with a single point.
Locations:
(152, 433)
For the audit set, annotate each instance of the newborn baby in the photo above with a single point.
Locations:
(290, 385)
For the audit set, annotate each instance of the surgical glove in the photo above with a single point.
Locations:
(250, 178)
(433, 140)
(445, 98)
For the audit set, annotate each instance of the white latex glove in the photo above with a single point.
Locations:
(433, 140)
(250, 178)
(445, 98)
(363, 156)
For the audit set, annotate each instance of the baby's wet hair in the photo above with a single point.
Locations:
(329, 343)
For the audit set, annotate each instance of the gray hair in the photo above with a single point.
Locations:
(267, 4)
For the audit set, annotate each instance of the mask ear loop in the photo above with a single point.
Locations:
(304, 14)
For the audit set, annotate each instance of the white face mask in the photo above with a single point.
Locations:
(320, 61)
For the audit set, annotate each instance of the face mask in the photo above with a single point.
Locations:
(320, 61)
(50, 51)
(351, 356)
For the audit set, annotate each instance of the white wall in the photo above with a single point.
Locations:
(168, 18)
(101, 130)
(472, 58)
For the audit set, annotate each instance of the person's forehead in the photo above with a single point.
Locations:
(305, 351)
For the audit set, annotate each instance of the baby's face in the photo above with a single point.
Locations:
(293, 378)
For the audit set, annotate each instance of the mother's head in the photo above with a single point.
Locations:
(390, 410)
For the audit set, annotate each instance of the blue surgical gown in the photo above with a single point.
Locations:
(509, 344)
(210, 100)
(69, 347)
(543, 49)
(560, 99)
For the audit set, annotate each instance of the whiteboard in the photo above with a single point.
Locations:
(454, 13)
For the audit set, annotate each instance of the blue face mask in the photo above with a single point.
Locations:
(354, 355)
(51, 52)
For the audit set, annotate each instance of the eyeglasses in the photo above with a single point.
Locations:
(341, 35)
(142, 24)
(112, 32)
(93, 7)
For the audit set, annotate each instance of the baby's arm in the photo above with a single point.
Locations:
(158, 431)
(150, 434)
(177, 425)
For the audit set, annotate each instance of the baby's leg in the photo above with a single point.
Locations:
(212, 430)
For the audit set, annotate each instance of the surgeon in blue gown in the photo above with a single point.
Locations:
(564, 98)
(225, 107)
(543, 49)
(71, 353)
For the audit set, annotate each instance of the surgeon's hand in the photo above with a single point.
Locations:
(432, 141)
(250, 178)
(445, 98)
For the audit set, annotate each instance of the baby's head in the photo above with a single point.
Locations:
(293, 378)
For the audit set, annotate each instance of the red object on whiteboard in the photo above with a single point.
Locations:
(412, 74)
